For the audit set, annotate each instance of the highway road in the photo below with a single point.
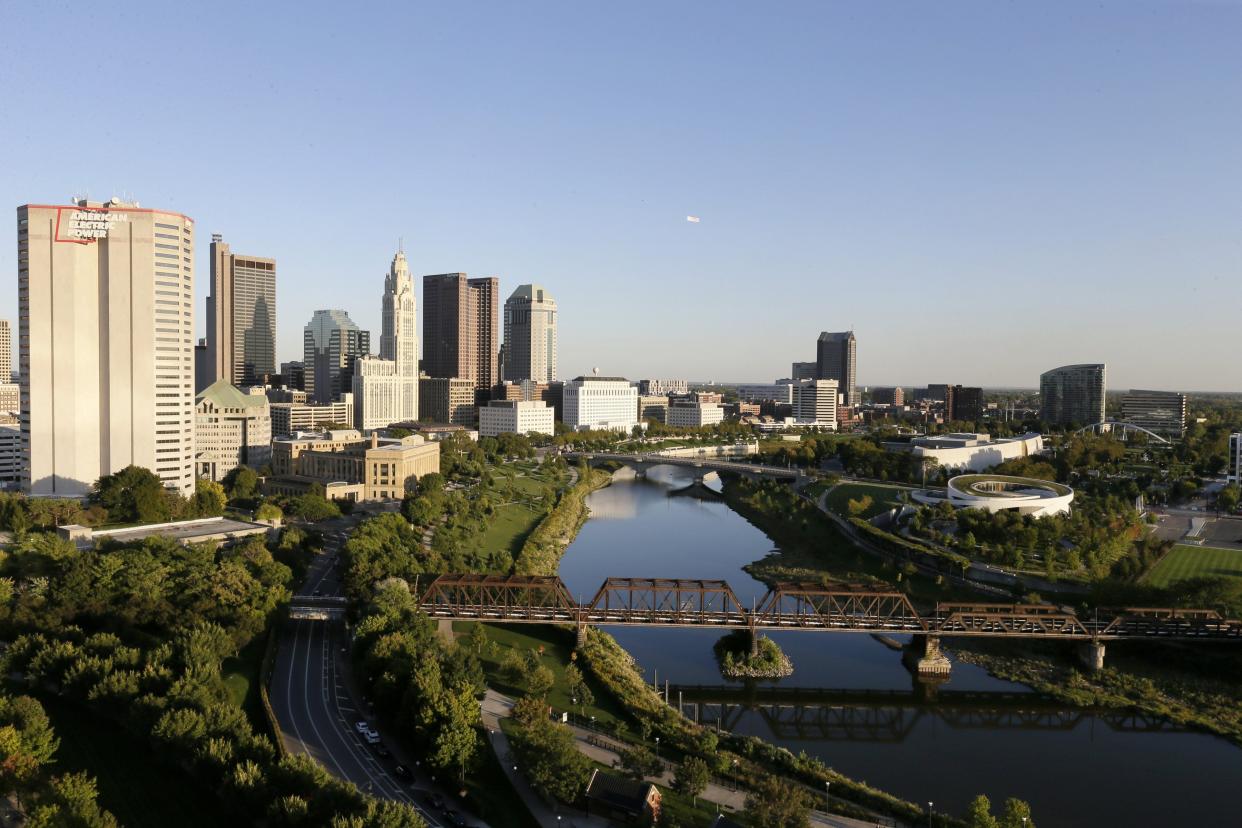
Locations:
(311, 696)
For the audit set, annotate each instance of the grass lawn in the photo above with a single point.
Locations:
(883, 498)
(139, 790)
(509, 527)
(1195, 562)
(557, 645)
(241, 679)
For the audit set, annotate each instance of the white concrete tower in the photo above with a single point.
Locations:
(399, 337)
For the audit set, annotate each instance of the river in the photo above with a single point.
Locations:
(1076, 768)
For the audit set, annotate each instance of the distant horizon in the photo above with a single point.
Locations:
(980, 191)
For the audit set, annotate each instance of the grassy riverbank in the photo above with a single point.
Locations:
(1191, 689)
(541, 553)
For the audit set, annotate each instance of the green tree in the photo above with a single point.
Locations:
(268, 511)
(691, 778)
(241, 483)
(979, 814)
(208, 499)
(639, 762)
(776, 803)
(132, 495)
(1017, 815)
(477, 639)
(549, 757)
(540, 680)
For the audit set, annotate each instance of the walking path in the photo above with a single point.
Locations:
(497, 706)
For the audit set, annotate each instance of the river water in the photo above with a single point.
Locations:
(1076, 768)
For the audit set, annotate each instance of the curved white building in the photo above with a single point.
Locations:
(971, 452)
(995, 492)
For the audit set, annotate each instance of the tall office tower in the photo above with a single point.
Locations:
(836, 357)
(802, 370)
(386, 387)
(106, 295)
(6, 352)
(964, 403)
(1161, 412)
(530, 335)
(331, 345)
(203, 369)
(1233, 473)
(294, 374)
(460, 321)
(815, 401)
(241, 316)
(1072, 394)
(399, 337)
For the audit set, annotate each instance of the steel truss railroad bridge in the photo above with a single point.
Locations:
(835, 607)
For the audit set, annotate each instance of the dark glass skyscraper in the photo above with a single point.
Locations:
(331, 345)
(1072, 394)
(836, 357)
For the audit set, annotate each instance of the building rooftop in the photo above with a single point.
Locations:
(226, 395)
(618, 791)
(185, 531)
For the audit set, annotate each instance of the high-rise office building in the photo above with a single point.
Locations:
(803, 370)
(889, 396)
(386, 387)
(836, 357)
(6, 352)
(601, 403)
(203, 369)
(460, 322)
(241, 316)
(964, 403)
(1233, 472)
(1072, 394)
(815, 401)
(331, 345)
(294, 374)
(1161, 412)
(530, 335)
(106, 294)
(447, 400)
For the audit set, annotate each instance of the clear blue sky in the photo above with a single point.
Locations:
(982, 190)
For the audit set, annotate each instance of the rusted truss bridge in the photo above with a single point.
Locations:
(838, 607)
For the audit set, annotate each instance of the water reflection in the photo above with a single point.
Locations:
(1076, 767)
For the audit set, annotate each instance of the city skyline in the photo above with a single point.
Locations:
(870, 168)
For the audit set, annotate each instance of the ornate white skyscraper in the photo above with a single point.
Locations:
(386, 387)
(399, 338)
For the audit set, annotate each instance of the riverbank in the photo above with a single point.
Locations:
(1207, 703)
(542, 551)
(737, 661)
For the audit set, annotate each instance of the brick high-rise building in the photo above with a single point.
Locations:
(106, 297)
(241, 317)
(461, 328)
(6, 352)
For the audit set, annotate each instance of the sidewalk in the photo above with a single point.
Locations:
(496, 706)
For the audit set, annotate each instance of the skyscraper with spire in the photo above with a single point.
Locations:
(386, 387)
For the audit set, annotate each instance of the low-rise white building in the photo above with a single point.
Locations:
(516, 417)
(230, 429)
(690, 414)
(600, 403)
(971, 452)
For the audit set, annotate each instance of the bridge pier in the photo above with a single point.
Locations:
(922, 655)
(1091, 655)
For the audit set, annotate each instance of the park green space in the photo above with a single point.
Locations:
(139, 790)
(883, 498)
(1185, 561)
(557, 645)
(518, 489)
(241, 679)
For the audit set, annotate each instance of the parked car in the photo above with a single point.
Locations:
(372, 737)
(362, 727)
(403, 772)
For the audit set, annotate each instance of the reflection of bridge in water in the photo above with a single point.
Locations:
(793, 714)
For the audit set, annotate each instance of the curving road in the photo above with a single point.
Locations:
(312, 700)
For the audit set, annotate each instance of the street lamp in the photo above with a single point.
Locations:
(827, 785)
(657, 747)
(930, 813)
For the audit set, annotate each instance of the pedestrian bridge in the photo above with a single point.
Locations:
(317, 607)
(642, 462)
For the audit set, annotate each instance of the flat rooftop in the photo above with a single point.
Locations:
(183, 530)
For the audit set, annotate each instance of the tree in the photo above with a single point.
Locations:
(775, 803)
(858, 507)
(540, 680)
(1228, 498)
(548, 754)
(477, 639)
(268, 512)
(208, 499)
(979, 814)
(639, 762)
(691, 778)
(1017, 815)
(241, 483)
(132, 495)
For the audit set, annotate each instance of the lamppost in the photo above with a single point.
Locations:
(827, 785)
(572, 701)
(657, 747)
(930, 813)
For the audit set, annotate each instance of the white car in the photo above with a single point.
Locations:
(362, 727)
(372, 737)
